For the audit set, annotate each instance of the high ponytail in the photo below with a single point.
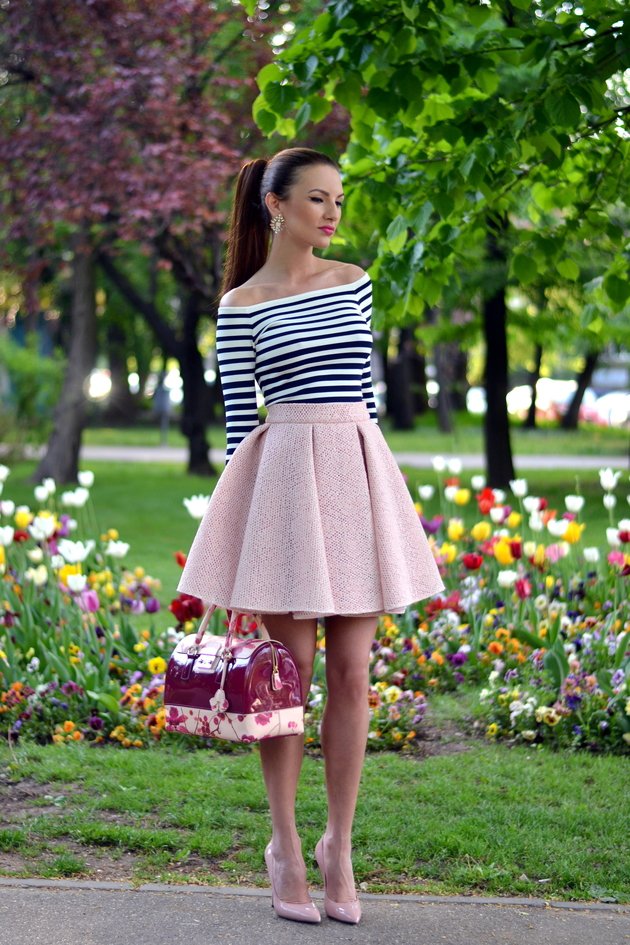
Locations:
(248, 239)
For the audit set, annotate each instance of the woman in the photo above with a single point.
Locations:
(311, 517)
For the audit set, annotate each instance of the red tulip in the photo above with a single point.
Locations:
(523, 588)
(472, 561)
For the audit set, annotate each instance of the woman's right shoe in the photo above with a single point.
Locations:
(341, 911)
(297, 911)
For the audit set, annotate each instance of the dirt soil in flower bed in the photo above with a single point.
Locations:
(25, 799)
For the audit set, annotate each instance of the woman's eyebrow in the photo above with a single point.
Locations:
(325, 192)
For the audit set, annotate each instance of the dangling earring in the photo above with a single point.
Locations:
(277, 223)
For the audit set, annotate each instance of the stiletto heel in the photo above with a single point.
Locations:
(341, 911)
(297, 911)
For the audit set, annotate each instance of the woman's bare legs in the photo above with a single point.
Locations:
(282, 760)
(344, 736)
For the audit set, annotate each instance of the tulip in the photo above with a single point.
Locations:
(612, 537)
(438, 463)
(478, 483)
(36, 555)
(591, 555)
(472, 561)
(462, 497)
(519, 487)
(42, 527)
(497, 514)
(117, 549)
(74, 551)
(557, 527)
(481, 531)
(503, 552)
(426, 492)
(536, 523)
(574, 503)
(86, 478)
(197, 505)
(51, 485)
(608, 479)
(88, 601)
(41, 493)
(7, 507)
(76, 582)
(450, 492)
(507, 578)
(6, 535)
(454, 466)
(573, 532)
(531, 504)
(38, 576)
(523, 588)
(455, 529)
(610, 501)
(499, 496)
(4, 472)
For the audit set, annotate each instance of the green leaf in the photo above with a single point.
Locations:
(617, 290)
(568, 269)
(303, 116)
(250, 6)
(396, 234)
(524, 268)
(410, 10)
(487, 81)
(269, 73)
(106, 700)
(564, 110)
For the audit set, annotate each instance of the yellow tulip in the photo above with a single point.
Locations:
(481, 531)
(503, 553)
(539, 558)
(573, 532)
(455, 529)
(513, 520)
(462, 497)
(23, 518)
(448, 552)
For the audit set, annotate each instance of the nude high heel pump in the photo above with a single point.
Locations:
(341, 911)
(297, 911)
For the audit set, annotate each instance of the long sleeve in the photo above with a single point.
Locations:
(367, 388)
(237, 358)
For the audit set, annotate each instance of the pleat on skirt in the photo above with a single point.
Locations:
(312, 517)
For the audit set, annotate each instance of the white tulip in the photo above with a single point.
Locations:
(519, 487)
(426, 492)
(86, 478)
(38, 576)
(624, 524)
(574, 503)
(4, 472)
(36, 555)
(438, 463)
(67, 498)
(450, 492)
(75, 551)
(608, 479)
(197, 505)
(454, 466)
(72, 525)
(529, 549)
(496, 514)
(42, 527)
(51, 485)
(612, 537)
(610, 501)
(557, 526)
(117, 549)
(536, 523)
(506, 578)
(81, 495)
(7, 507)
(41, 493)
(499, 496)
(478, 483)
(6, 535)
(76, 582)
(57, 562)
(591, 555)
(531, 503)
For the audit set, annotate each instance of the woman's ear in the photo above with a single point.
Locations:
(272, 203)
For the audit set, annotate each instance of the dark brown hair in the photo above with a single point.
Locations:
(248, 239)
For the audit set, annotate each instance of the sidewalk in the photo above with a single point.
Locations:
(48, 912)
(179, 455)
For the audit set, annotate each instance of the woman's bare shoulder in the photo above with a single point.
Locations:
(241, 296)
(347, 272)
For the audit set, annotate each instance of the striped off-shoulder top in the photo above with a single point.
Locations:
(313, 347)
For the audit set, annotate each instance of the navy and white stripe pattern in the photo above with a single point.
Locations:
(309, 348)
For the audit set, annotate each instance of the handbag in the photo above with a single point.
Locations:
(233, 689)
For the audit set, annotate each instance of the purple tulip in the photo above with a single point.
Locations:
(152, 605)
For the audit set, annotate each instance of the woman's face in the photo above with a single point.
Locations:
(312, 209)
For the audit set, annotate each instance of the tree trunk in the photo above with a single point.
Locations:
(530, 420)
(571, 417)
(194, 417)
(444, 378)
(122, 406)
(399, 393)
(498, 448)
(61, 461)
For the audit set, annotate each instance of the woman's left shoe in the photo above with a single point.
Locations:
(341, 911)
(296, 911)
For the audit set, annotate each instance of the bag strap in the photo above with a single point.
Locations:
(232, 627)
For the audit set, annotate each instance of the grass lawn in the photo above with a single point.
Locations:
(480, 818)
(144, 501)
(467, 437)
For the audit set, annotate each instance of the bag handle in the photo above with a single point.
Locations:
(230, 632)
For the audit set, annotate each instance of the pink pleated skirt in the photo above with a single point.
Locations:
(312, 517)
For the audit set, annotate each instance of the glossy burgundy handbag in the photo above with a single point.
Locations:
(237, 690)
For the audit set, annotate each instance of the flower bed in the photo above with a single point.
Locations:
(532, 619)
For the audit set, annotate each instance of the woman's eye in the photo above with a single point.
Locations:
(339, 204)
(317, 199)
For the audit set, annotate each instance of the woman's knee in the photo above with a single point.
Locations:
(349, 682)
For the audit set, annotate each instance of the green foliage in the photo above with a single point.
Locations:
(34, 383)
(462, 114)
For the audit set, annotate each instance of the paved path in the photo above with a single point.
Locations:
(45, 912)
(179, 455)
